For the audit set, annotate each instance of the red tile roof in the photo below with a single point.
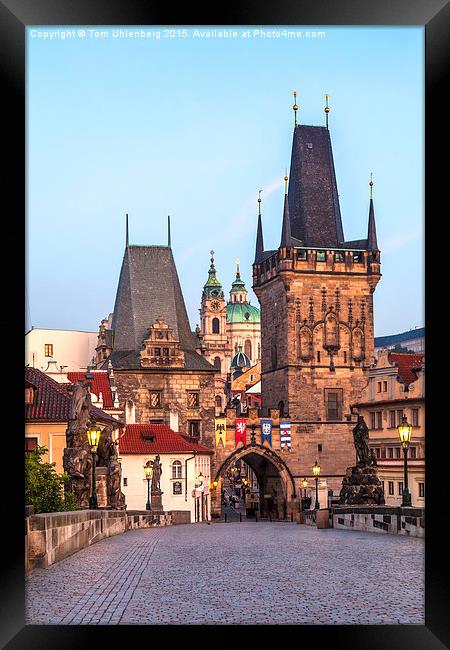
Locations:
(52, 400)
(133, 441)
(100, 384)
(407, 363)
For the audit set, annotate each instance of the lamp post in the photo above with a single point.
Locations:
(305, 485)
(316, 472)
(405, 431)
(148, 469)
(93, 435)
(199, 484)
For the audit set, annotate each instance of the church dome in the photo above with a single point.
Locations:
(240, 360)
(242, 312)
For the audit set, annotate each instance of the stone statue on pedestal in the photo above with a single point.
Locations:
(361, 485)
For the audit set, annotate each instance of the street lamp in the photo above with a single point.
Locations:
(148, 469)
(93, 435)
(305, 485)
(405, 431)
(316, 472)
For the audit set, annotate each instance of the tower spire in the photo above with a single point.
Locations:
(259, 234)
(168, 231)
(286, 238)
(327, 110)
(127, 243)
(372, 244)
(295, 107)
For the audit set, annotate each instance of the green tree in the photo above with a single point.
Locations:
(44, 487)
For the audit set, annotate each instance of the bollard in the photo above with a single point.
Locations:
(292, 517)
(270, 516)
(256, 516)
(225, 517)
(240, 517)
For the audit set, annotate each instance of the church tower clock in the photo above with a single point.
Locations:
(213, 327)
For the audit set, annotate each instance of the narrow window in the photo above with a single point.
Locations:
(321, 256)
(390, 452)
(377, 452)
(412, 452)
(372, 420)
(125, 482)
(218, 401)
(379, 420)
(391, 487)
(384, 386)
(194, 428)
(415, 417)
(378, 386)
(345, 356)
(399, 416)
(318, 356)
(400, 488)
(398, 452)
(176, 469)
(421, 490)
(383, 452)
(215, 326)
(333, 403)
(48, 349)
(30, 444)
(217, 364)
(165, 352)
(157, 352)
(392, 419)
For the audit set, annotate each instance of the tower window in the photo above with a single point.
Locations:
(215, 326)
(218, 401)
(193, 400)
(48, 349)
(217, 364)
(333, 403)
(321, 256)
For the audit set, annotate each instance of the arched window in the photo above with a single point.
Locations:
(215, 326)
(176, 469)
(217, 364)
(248, 348)
(281, 408)
(218, 401)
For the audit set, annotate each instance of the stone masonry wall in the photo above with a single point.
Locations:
(174, 387)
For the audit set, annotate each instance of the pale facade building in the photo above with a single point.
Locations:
(57, 352)
(182, 460)
(396, 387)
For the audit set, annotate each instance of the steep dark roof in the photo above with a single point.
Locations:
(372, 243)
(52, 400)
(313, 198)
(286, 238)
(259, 249)
(148, 289)
(392, 339)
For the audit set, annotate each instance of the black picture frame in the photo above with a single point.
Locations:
(15, 16)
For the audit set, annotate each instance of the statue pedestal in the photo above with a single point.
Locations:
(156, 501)
(361, 486)
(101, 485)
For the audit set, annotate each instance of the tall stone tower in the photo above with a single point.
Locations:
(317, 321)
(216, 347)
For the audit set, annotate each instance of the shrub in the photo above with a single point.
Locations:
(44, 487)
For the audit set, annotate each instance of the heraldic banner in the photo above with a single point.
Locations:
(266, 431)
(285, 434)
(241, 430)
(220, 428)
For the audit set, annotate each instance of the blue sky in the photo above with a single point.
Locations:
(194, 127)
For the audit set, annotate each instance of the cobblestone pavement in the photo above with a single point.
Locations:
(234, 573)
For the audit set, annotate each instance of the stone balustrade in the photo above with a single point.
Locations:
(51, 537)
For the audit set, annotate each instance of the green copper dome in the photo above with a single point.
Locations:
(242, 312)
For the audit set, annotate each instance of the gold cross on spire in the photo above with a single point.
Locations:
(295, 107)
(327, 110)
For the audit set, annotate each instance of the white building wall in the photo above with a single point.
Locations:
(136, 489)
(71, 348)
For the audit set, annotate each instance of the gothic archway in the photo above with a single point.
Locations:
(276, 485)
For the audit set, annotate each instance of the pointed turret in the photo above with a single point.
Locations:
(372, 244)
(169, 243)
(212, 287)
(127, 243)
(286, 238)
(259, 233)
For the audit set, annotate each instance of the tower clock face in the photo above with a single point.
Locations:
(215, 305)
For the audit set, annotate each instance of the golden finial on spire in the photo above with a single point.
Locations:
(295, 107)
(371, 185)
(211, 252)
(259, 202)
(285, 182)
(327, 110)
(238, 273)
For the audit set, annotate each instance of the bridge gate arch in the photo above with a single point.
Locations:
(272, 474)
